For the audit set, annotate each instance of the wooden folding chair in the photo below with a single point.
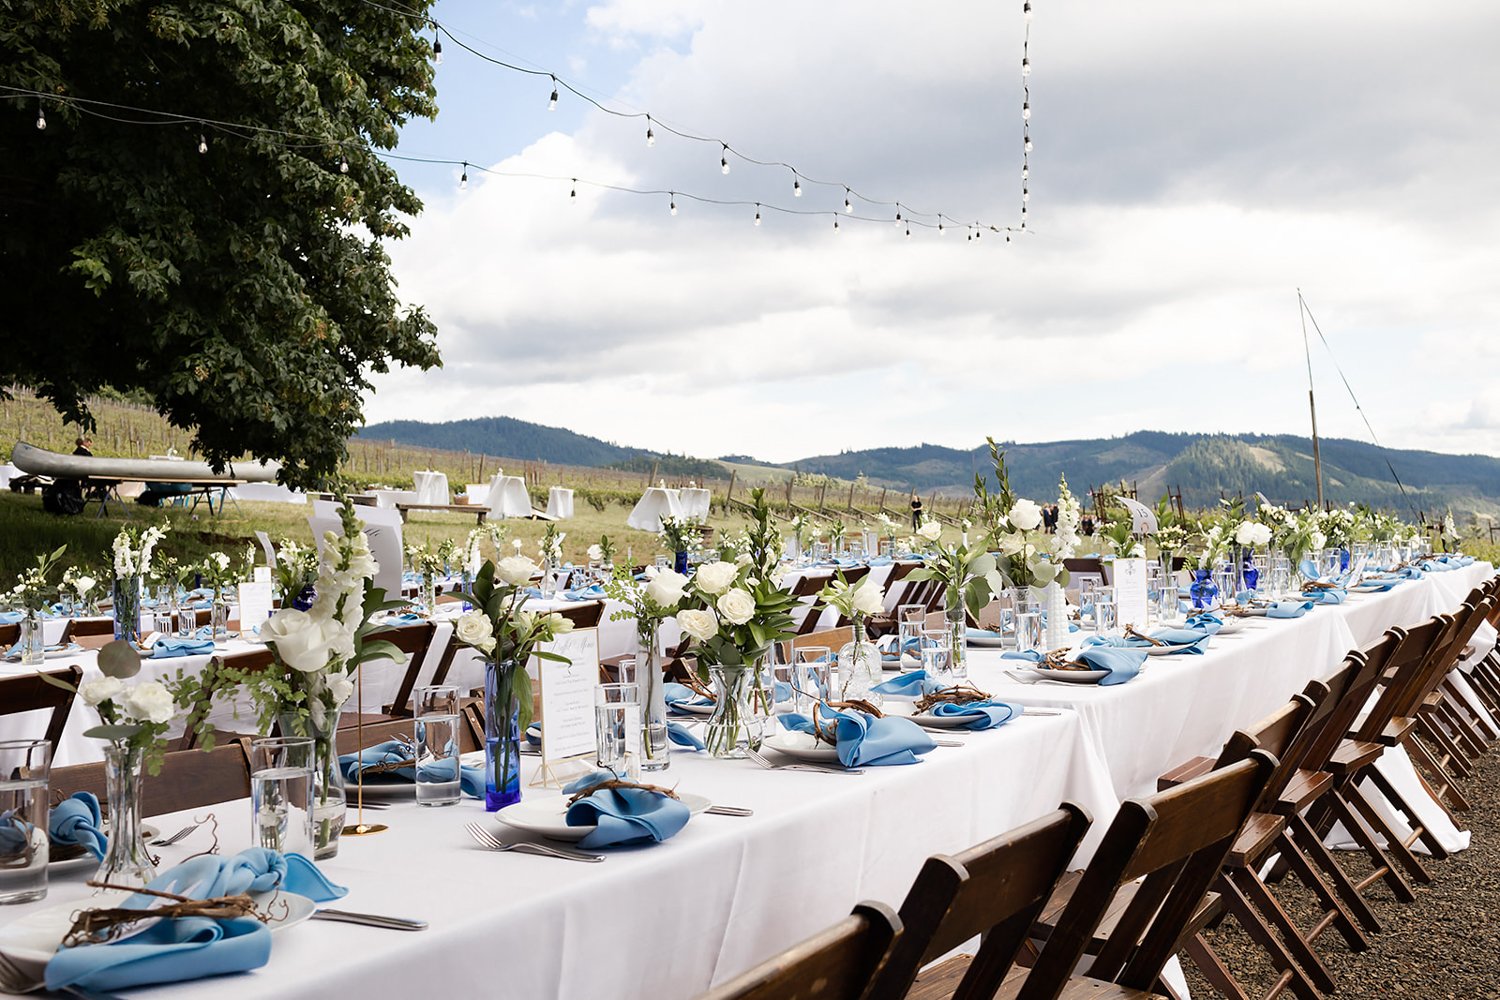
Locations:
(996, 890)
(412, 641)
(29, 693)
(585, 615)
(250, 661)
(75, 627)
(188, 779)
(1144, 891)
(10, 634)
(835, 964)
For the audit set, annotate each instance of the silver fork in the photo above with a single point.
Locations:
(179, 835)
(771, 765)
(489, 841)
(15, 980)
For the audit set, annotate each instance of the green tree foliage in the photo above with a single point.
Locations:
(246, 289)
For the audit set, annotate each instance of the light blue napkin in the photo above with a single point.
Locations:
(1288, 609)
(624, 816)
(977, 714)
(909, 686)
(981, 633)
(677, 695)
(14, 653)
(191, 948)
(471, 779)
(1206, 623)
(75, 822)
(1192, 641)
(865, 741)
(1325, 596)
(1121, 663)
(880, 560)
(584, 594)
(168, 647)
(11, 617)
(682, 736)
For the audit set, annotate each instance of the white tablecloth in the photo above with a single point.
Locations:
(507, 496)
(431, 487)
(478, 493)
(653, 505)
(663, 922)
(267, 493)
(695, 502)
(388, 499)
(560, 503)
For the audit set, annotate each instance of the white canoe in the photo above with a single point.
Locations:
(40, 462)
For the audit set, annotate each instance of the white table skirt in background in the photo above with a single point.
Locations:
(507, 496)
(656, 503)
(388, 499)
(431, 487)
(695, 501)
(560, 503)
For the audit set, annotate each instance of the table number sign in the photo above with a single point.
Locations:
(1131, 593)
(256, 600)
(566, 696)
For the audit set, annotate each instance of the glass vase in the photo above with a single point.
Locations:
(126, 862)
(330, 797)
(733, 729)
(1203, 591)
(428, 593)
(502, 734)
(218, 618)
(680, 562)
(958, 639)
(656, 747)
(1054, 602)
(127, 609)
(33, 643)
(859, 668)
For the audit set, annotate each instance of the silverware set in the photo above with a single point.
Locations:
(772, 765)
(14, 979)
(182, 834)
(484, 838)
(371, 920)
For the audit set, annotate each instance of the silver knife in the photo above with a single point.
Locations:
(371, 920)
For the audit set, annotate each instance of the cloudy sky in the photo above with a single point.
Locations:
(1194, 165)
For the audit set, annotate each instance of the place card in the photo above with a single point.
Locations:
(267, 547)
(566, 696)
(1132, 598)
(256, 602)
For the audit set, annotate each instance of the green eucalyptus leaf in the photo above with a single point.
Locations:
(119, 659)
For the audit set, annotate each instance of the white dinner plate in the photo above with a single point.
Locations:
(1071, 676)
(35, 937)
(87, 861)
(398, 788)
(548, 815)
(803, 747)
(985, 641)
(929, 721)
(1162, 650)
(687, 709)
(54, 652)
(1368, 588)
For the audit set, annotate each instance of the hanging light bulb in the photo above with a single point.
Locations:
(757, 213)
(970, 237)
(202, 143)
(1026, 111)
(848, 205)
(724, 159)
(573, 192)
(898, 213)
(1026, 11)
(673, 207)
(1025, 170)
(1007, 237)
(1027, 142)
(908, 230)
(978, 233)
(343, 165)
(1025, 65)
(1025, 194)
(41, 119)
(941, 230)
(650, 135)
(835, 223)
(552, 102)
(796, 187)
(437, 49)
(463, 180)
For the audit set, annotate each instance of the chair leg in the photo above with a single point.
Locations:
(1466, 729)
(1212, 969)
(1385, 868)
(1394, 845)
(1449, 744)
(1276, 921)
(1335, 913)
(1419, 829)
(1314, 848)
(1447, 786)
(1288, 952)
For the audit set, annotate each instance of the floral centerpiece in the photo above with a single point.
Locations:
(603, 552)
(859, 661)
(649, 603)
(80, 589)
(1450, 533)
(218, 577)
(295, 574)
(132, 551)
(471, 555)
(428, 565)
(679, 535)
(888, 529)
(315, 654)
(32, 595)
(801, 526)
(133, 721)
(507, 635)
(837, 532)
(733, 614)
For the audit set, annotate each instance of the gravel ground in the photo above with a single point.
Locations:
(1445, 944)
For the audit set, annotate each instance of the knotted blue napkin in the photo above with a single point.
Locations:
(880, 560)
(194, 947)
(623, 816)
(75, 822)
(1206, 623)
(11, 617)
(682, 736)
(1121, 663)
(864, 740)
(1181, 640)
(677, 695)
(911, 685)
(470, 779)
(1325, 596)
(981, 633)
(1288, 609)
(977, 714)
(170, 646)
(584, 594)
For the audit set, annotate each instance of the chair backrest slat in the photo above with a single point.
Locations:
(188, 779)
(834, 964)
(29, 693)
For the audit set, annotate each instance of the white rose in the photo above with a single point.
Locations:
(868, 598)
(1025, 516)
(930, 530)
(100, 689)
(516, 570)
(1010, 543)
(1317, 540)
(558, 625)
(474, 628)
(666, 587)
(701, 625)
(716, 577)
(340, 687)
(149, 701)
(736, 606)
(595, 553)
(83, 584)
(302, 641)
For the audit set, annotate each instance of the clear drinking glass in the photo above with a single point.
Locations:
(435, 709)
(911, 619)
(813, 666)
(281, 794)
(1029, 630)
(187, 622)
(617, 728)
(936, 652)
(163, 619)
(24, 770)
(627, 672)
(885, 548)
(1224, 580)
(1106, 619)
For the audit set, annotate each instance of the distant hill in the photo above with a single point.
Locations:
(1204, 467)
